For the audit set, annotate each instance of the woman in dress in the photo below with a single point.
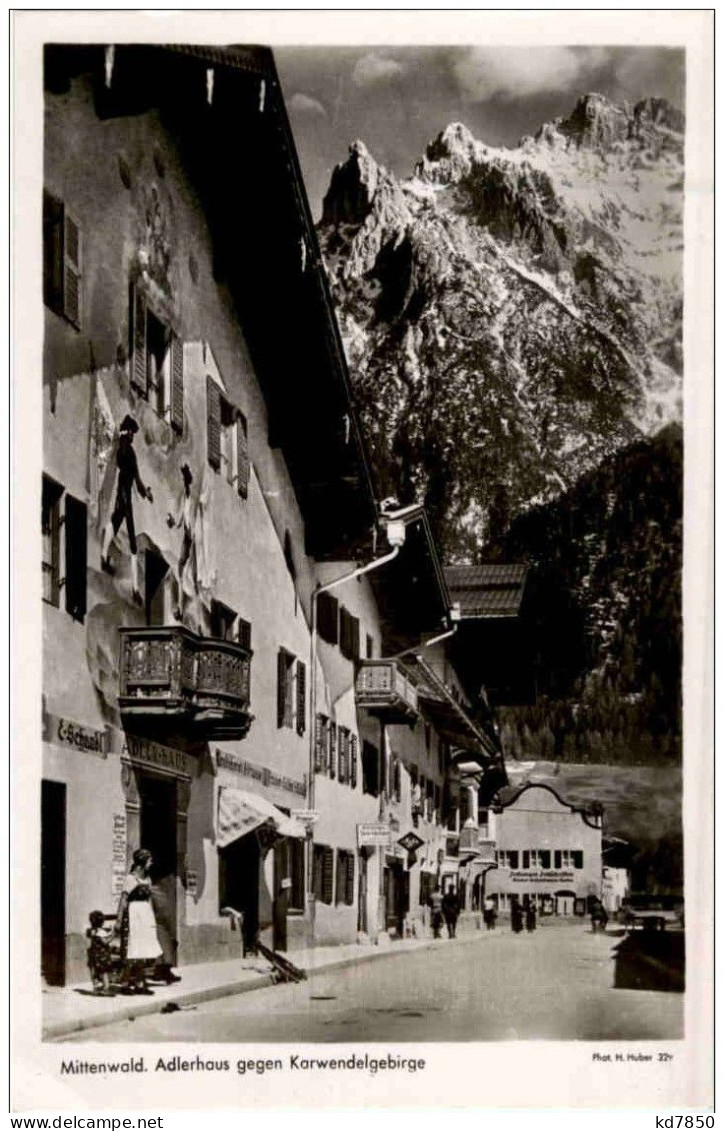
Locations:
(136, 923)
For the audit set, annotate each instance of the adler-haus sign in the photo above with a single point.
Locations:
(539, 876)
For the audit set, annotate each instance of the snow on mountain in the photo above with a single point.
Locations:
(511, 316)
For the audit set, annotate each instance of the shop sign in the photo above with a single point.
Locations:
(411, 841)
(118, 853)
(373, 834)
(262, 774)
(541, 877)
(87, 739)
(146, 752)
(306, 816)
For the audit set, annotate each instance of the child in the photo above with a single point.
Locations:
(100, 958)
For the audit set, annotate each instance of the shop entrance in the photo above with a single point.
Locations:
(239, 882)
(52, 882)
(362, 891)
(565, 901)
(396, 894)
(159, 806)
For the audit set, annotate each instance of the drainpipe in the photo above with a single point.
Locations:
(396, 537)
(426, 644)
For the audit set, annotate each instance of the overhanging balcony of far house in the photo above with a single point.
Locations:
(486, 847)
(384, 690)
(171, 679)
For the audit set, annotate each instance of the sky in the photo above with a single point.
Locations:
(398, 99)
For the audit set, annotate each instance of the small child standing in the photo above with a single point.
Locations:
(100, 958)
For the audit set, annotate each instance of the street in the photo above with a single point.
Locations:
(556, 984)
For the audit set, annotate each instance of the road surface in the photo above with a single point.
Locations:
(557, 983)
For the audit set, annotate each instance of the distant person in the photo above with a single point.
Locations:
(489, 913)
(435, 903)
(530, 917)
(516, 917)
(450, 911)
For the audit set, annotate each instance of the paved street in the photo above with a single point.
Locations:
(555, 984)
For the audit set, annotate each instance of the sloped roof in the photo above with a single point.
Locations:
(448, 716)
(494, 589)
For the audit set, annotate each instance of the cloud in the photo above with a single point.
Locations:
(641, 72)
(305, 104)
(372, 69)
(520, 72)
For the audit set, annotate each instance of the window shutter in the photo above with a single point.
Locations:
(349, 886)
(244, 634)
(354, 638)
(327, 875)
(319, 744)
(281, 687)
(342, 735)
(557, 860)
(139, 366)
(301, 697)
(353, 761)
(213, 423)
(526, 858)
(332, 749)
(340, 886)
(72, 271)
(328, 618)
(76, 556)
(398, 779)
(242, 456)
(177, 383)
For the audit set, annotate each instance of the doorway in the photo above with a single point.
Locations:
(52, 881)
(565, 901)
(395, 888)
(280, 902)
(239, 883)
(362, 892)
(159, 805)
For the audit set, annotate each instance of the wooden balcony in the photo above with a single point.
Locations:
(384, 690)
(487, 850)
(171, 679)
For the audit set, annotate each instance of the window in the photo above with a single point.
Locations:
(577, 859)
(227, 438)
(564, 858)
(344, 890)
(353, 760)
(321, 744)
(52, 494)
(328, 618)
(157, 360)
(74, 527)
(244, 633)
(62, 291)
(223, 621)
(348, 635)
(507, 858)
(425, 888)
(297, 874)
(323, 873)
(332, 758)
(289, 556)
(397, 778)
(343, 760)
(301, 697)
(370, 769)
(285, 688)
(544, 856)
(370, 647)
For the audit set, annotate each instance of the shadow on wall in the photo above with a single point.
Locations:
(650, 960)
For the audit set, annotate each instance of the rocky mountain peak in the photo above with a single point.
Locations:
(450, 156)
(596, 123)
(352, 188)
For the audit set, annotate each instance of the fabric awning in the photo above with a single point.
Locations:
(241, 812)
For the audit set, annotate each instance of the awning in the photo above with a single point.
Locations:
(241, 813)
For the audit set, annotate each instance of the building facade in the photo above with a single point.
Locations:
(211, 690)
(546, 852)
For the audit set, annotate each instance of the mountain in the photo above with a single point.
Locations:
(512, 317)
(610, 675)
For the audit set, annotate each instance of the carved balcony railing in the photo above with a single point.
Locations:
(384, 690)
(487, 850)
(170, 675)
(469, 840)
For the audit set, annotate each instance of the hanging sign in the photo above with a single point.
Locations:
(118, 853)
(373, 834)
(411, 841)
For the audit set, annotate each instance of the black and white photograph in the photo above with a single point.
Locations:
(360, 443)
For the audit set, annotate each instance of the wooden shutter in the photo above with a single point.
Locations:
(242, 456)
(213, 423)
(353, 761)
(76, 557)
(72, 271)
(332, 749)
(340, 885)
(327, 875)
(349, 884)
(177, 383)
(319, 743)
(328, 618)
(301, 697)
(342, 746)
(354, 638)
(348, 635)
(244, 634)
(139, 366)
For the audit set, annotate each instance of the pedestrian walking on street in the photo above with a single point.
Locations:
(530, 917)
(435, 902)
(450, 910)
(489, 913)
(516, 917)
